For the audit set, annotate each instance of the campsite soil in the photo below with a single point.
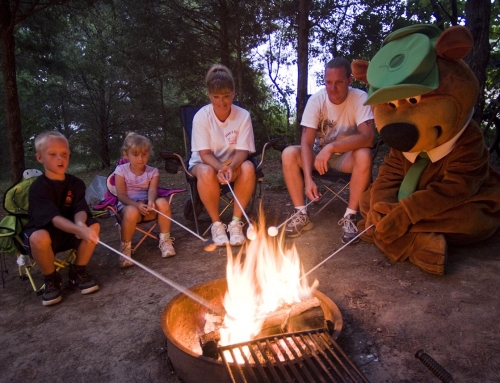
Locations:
(390, 310)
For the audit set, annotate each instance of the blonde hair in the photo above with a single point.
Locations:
(137, 144)
(42, 138)
(219, 79)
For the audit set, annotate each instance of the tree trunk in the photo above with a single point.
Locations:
(478, 13)
(302, 61)
(12, 110)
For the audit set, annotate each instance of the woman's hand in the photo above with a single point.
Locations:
(225, 174)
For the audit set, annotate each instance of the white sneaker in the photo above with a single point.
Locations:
(235, 229)
(167, 247)
(126, 249)
(219, 235)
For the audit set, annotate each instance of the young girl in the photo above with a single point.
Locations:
(222, 138)
(136, 188)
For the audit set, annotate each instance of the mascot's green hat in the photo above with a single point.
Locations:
(405, 66)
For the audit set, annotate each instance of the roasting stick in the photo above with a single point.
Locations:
(202, 301)
(209, 244)
(273, 230)
(326, 259)
(251, 234)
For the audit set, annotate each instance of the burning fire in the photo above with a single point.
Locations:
(265, 279)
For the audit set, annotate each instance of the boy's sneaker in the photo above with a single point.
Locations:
(167, 247)
(52, 289)
(236, 236)
(349, 229)
(126, 248)
(297, 224)
(219, 235)
(79, 278)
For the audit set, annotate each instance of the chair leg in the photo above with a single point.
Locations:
(146, 233)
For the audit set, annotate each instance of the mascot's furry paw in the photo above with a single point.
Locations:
(429, 252)
(394, 224)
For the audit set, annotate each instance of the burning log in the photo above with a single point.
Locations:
(299, 316)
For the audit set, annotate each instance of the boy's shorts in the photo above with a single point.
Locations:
(61, 240)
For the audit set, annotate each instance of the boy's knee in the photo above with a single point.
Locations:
(96, 227)
(40, 239)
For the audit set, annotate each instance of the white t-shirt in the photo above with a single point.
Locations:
(335, 122)
(221, 138)
(137, 186)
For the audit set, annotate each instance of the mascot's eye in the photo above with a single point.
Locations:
(393, 104)
(413, 100)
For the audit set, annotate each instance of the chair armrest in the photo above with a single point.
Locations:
(171, 157)
(262, 152)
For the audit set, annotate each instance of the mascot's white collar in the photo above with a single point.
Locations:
(442, 150)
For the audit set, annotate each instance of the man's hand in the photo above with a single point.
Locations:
(311, 190)
(321, 161)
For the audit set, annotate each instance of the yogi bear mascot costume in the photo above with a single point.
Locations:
(436, 186)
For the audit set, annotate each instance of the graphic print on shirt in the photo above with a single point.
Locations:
(69, 199)
(231, 137)
(326, 132)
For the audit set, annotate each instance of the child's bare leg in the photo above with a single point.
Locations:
(41, 250)
(85, 249)
(163, 206)
(130, 217)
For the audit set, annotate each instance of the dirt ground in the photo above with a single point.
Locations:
(389, 310)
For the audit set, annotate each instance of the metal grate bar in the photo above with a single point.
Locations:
(299, 357)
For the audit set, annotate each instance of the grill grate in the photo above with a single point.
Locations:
(305, 356)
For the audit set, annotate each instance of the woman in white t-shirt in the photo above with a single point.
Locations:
(221, 140)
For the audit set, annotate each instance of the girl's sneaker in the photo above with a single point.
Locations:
(126, 248)
(167, 247)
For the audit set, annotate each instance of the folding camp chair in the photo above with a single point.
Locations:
(16, 204)
(110, 202)
(193, 207)
(336, 183)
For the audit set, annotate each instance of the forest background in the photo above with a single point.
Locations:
(95, 69)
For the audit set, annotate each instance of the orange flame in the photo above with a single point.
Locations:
(266, 278)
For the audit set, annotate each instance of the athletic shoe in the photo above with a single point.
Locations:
(52, 289)
(236, 236)
(349, 229)
(297, 224)
(219, 235)
(126, 248)
(79, 278)
(167, 247)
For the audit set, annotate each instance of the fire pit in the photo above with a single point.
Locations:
(183, 321)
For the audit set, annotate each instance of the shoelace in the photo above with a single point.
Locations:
(167, 242)
(236, 229)
(298, 219)
(220, 230)
(348, 225)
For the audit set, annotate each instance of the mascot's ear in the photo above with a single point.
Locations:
(454, 43)
(359, 69)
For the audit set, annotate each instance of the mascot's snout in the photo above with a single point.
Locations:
(400, 135)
